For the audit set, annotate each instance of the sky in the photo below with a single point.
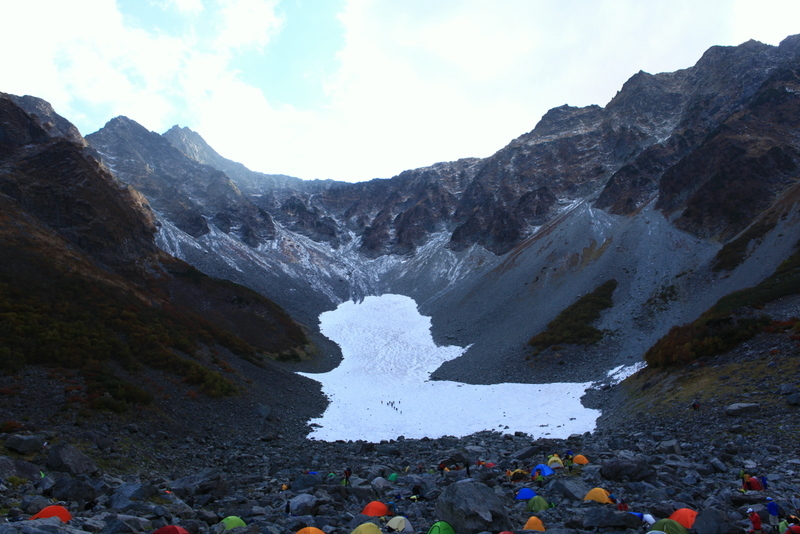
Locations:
(382, 388)
(356, 89)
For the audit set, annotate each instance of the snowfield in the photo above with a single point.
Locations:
(382, 388)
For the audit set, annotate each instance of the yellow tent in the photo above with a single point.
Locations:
(580, 459)
(555, 462)
(534, 523)
(367, 528)
(598, 495)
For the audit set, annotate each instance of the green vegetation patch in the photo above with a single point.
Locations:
(54, 318)
(720, 329)
(574, 324)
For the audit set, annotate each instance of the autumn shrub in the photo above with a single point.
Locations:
(574, 323)
(7, 427)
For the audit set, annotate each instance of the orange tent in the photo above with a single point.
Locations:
(534, 523)
(309, 530)
(684, 516)
(598, 495)
(375, 509)
(171, 529)
(580, 459)
(54, 511)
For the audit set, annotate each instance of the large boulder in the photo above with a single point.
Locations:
(67, 458)
(568, 488)
(210, 481)
(18, 468)
(605, 517)
(630, 468)
(78, 489)
(742, 408)
(25, 444)
(128, 494)
(471, 507)
(715, 521)
(304, 504)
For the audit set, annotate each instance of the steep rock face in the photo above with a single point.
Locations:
(57, 181)
(66, 218)
(188, 193)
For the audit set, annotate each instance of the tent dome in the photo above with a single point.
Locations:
(545, 470)
(53, 511)
(367, 528)
(525, 494)
(534, 523)
(684, 516)
(171, 529)
(375, 509)
(233, 521)
(580, 459)
(598, 495)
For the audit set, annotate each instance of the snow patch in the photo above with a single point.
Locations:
(382, 389)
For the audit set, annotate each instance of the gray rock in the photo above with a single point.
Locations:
(471, 507)
(25, 444)
(207, 482)
(602, 516)
(125, 496)
(67, 458)
(79, 489)
(714, 521)
(304, 482)
(304, 504)
(627, 468)
(669, 447)
(793, 399)
(742, 408)
(573, 489)
(18, 468)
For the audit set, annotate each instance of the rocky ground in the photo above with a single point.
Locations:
(192, 461)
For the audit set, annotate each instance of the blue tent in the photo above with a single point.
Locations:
(525, 494)
(544, 469)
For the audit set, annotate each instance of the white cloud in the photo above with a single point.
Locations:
(417, 82)
(247, 23)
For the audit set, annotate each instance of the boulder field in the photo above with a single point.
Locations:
(279, 487)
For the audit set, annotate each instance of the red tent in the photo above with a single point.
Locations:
(171, 529)
(375, 509)
(54, 511)
(684, 516)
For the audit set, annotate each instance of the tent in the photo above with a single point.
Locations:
(399, 524)
(537, 504)
(545, 470)
(233, 521)
(441, 527)
(669, 526)
(684, 516)
(525, 494)
(367, 528)
(53, 511)
(392, 477)
(598, 495)
(306, 530)
(534, 523)
(375, 509)
(580, 459)
(171, 529)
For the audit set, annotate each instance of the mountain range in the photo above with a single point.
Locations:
(682, 190)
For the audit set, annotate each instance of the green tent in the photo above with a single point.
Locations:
(392, 477)
(537, 504)
(233, 521)
(441, 527)
(669, 526)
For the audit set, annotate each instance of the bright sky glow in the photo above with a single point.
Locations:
(382, 389)
(356, 89)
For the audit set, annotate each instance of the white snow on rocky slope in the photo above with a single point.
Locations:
(382, 388)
